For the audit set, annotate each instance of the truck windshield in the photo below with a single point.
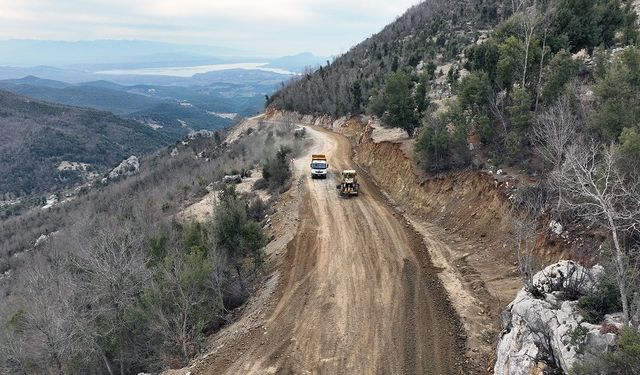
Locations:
(319, 165)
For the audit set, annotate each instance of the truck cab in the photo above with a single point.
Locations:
(319, 166)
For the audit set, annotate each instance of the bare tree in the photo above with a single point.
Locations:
(529, 19)
(524, 239)
(530, 204)
(600, 192)
(14, 353)
(497, 108)
(51, 330)
(556, 129)
(111, 272)
(517, 5)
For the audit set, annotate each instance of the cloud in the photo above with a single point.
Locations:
(276, 26)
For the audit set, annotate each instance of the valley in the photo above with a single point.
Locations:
(160, 212)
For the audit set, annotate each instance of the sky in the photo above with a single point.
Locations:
(267, 27)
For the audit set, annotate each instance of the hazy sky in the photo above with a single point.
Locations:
(277, 27)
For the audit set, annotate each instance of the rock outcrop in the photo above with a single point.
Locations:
(545, 328)
(232, 179)
(127, 168)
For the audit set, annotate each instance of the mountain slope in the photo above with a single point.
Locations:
(35, 137)
(434, 31)
(101, 98)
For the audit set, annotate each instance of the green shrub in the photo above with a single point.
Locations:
(623, 361)
(256, 210)
(590, 23)
(578, 337)
(441, 145)
(561, 69)
(277, 171)
(234, 231)
(396, 105)
(603, 299)
(619, 94)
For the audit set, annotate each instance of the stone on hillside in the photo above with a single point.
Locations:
(556, 228)
(232, 179)
(127, 168)
(550, 328)
(566, 274)
(52, 200)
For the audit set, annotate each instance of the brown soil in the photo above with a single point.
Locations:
(463, 219)
(357, 293)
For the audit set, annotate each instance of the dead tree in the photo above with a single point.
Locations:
(497, 108)
(556, 129)
(112, 270)
(14, 353)
(524, 239)
(529, 19)
(51, 329)
(600, 192)
(529, 206)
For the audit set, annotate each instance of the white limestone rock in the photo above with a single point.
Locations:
(128, 167)
(538, 329)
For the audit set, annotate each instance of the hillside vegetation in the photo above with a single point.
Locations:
(116, 281)
(35, 137)
(428, 34)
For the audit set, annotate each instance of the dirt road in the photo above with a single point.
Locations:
(358, 294)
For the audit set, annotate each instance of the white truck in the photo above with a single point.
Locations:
(319, 166)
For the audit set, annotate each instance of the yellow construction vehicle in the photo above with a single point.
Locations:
(349, 185)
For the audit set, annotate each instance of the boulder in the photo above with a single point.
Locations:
(128, 167)
(232, 179)
(555, 227)
(566, 276)
(549, 330)
(52, 200)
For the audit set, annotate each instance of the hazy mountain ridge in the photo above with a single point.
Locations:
(27, 52)
(141, 101)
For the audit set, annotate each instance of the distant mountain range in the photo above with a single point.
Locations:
(99, 55)
(154, 109)
(221, 98)
(27, 52)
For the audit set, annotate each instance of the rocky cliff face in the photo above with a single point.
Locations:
(545, 328)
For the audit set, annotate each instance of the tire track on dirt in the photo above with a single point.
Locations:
(358, 294)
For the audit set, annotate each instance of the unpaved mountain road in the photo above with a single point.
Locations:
(358, 294)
